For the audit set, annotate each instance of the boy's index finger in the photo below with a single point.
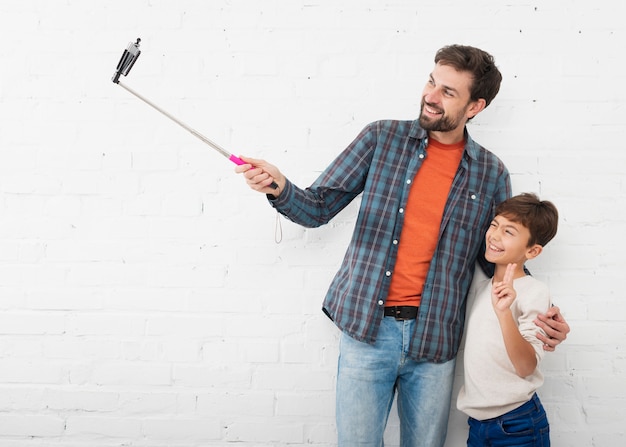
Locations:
(508, 275)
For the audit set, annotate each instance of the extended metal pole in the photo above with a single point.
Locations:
(214, 145)
(128, 59)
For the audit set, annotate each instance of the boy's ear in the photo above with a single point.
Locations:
(533, 251)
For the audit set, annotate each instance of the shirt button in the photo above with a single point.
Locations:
(421, 155)
(395, 242)
(401, 210)
(380, 302)
(473, 196)
(408, 182)
(387, 273)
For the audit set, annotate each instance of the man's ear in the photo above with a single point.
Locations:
(533, 251)
(476, 107)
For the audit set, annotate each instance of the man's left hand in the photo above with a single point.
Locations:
(555, 327)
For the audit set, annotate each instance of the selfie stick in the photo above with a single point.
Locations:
(128, 59)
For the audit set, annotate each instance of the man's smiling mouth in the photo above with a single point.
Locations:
(431, 110)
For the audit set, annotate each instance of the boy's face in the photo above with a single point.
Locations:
(507, 242)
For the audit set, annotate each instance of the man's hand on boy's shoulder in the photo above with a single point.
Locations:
(555, 327)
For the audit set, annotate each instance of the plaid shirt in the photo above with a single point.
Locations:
(381, 164)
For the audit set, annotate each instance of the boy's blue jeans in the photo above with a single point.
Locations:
(526, 426)
(367, 379)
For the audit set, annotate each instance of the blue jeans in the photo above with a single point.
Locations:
(526, 426)
(368, 378)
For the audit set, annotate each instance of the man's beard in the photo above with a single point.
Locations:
(443, 124)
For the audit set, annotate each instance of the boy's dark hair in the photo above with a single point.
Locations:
(540, 217)
(479, 64)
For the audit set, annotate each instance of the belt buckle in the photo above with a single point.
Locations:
(398, 314)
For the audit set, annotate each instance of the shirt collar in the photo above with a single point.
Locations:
(471, 147)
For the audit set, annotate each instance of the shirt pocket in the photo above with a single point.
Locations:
(464, 232)
(472, 211)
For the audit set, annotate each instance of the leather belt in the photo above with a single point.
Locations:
(402, 312)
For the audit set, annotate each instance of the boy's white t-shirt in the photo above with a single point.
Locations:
(491, 386)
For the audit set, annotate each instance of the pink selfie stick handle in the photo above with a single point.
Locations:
(236, 160)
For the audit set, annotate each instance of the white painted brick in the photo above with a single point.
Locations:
(143, 350)
(32, 371)
(181, 430)
(225, 350)
(131, 374)
(183, 204)
(280, 377)
(270, 327)
(64, 298)
(180, 350)
(27, 183)
(228, 302)
(32, 323)
(120, 325)
(31, 425)
(244, 405)
(79, 400)
(213, 375)
(302, 404)
(107, 427)
(266, 432)
(297, 350)
(199, 326)
(260, 352)
(148, 403)
(320, 433)
(19, 346)
(18, 399)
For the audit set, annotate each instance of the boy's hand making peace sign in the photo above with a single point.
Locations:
(502, 293)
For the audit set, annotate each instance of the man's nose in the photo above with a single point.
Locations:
(433, 96)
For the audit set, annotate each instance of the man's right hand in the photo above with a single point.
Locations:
(259, 175)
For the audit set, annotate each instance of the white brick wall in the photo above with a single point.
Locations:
(143, 300)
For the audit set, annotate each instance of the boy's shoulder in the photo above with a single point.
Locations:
(532, 292)
(530, 283)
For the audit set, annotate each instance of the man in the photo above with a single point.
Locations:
(428, 195)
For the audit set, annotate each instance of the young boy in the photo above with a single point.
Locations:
(501, 349)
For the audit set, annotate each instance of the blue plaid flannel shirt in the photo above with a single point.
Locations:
(380, 164)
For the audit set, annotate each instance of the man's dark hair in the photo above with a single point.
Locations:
(480, 64)
(540, 217)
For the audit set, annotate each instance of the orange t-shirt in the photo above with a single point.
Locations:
(422, 221)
